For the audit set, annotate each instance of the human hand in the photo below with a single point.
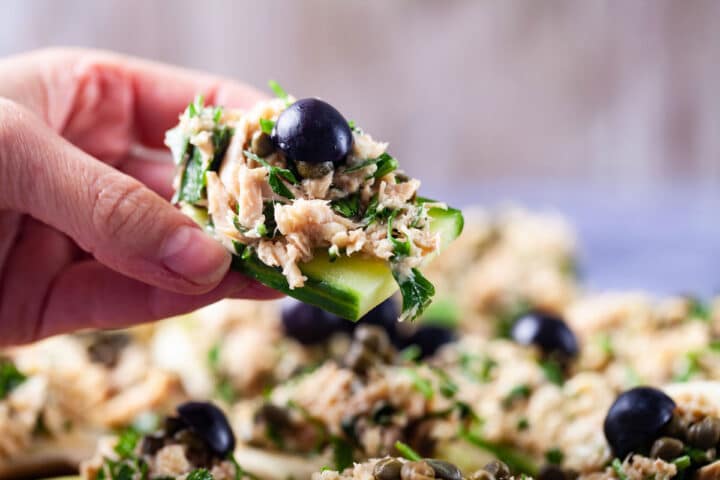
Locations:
(87, 237)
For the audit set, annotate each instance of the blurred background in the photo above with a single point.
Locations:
(607, 111)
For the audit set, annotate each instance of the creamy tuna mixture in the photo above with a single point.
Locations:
(259, 202)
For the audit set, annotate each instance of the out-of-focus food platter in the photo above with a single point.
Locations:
(516, 371)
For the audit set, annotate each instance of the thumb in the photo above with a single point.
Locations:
(111, 215)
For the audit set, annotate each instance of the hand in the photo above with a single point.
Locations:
(87, 236)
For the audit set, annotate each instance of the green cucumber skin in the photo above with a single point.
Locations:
(340, 301)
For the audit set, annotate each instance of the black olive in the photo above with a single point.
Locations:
(636, 419)
(548, 332)
(428, 338)
(313, 131)
(210, 424)
(309, 324)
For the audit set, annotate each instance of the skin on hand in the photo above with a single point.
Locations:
(87, 235)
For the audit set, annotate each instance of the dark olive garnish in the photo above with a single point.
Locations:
(499, 470)
(313, 131)
(309, 324)
(548, 332)
(636, 419)
(210, 424)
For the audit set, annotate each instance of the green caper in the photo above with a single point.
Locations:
(444, 470)
(551, 472)
(481, 475)
(261, 144)
(704, 434)
(498, 469)
(313, 170)
(420, 470)
(387, 469)
(676, 428)
(667, 448)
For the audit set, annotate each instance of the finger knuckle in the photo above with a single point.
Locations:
(120, 207)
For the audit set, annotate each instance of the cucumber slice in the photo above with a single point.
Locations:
(349, 286)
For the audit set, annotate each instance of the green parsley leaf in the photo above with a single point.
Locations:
(385, 164)
(422, 385)
(10, 377)
(617, 466)
(554, 456)
(126, 443)
(416, 291)
(518, 392)
(691, 367)
(406, 451)
(411, 353)
(523, 424)
(200, 474)
(448, 388)
(682, 463)
(699, 310)
(516, 460)
(348, 207)
(266, 125)
(342, 453)
(276, 176)
(217, 115)
(213, 357)
(553, 371)
(279, 91)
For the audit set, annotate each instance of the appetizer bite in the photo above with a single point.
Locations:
(309, 203)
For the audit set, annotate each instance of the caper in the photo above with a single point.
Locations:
(313, 170)
(420, 470)
(359, 359)
(481, 475)
(498, 469)
(373, 337)
(704, 434)
(676, 428)
(387, 469)
(445, 470)
(551, 472)
(261, 144)
(667, 448)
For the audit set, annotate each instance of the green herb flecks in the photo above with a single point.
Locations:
(514, 459)
(385, 164)
(401, 248)
(553, 371)
(422, 385)
(342, 453)
(682, 463)
(519, 392)
(416, 291)
(618, 468)
(406, 451)
(200, 474)
(523, 424)
(348, 207)
(279, 91)
(699, 310)
(691, 367)
(10, 377)
(276, 175)
(266, 125)
(126, 443)
(554, 456)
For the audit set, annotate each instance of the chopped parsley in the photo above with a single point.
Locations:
(266, 125)
(553, 371)
(200, 474)
(406, 451)
(411, 353)
(279, 91)
(691, 367)
(699, 310)
(400, 248)
(519, 392)
(682, 463)
(523, 424)
(416, 290)
(385, 163)
(126, 443)
(348, 207)
(276, 175)
(342, 453)
(10, 377)
(353, 126)
(422, 385)
(618, 468)
(554, 456)
(514, 459)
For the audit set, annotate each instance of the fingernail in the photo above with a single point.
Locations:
(195, 256)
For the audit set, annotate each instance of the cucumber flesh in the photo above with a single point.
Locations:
(349, 286)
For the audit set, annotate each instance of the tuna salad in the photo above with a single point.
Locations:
(289, 181)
